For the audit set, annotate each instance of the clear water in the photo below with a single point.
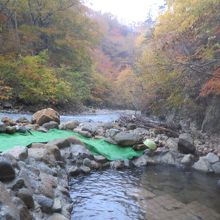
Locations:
(118, 195)
(108, 117)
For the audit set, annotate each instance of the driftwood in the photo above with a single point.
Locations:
(144, 122)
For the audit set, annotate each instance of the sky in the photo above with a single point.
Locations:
(127, 11)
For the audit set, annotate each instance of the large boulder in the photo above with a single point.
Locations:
(186, 144)
(45, 115)
(127, 138)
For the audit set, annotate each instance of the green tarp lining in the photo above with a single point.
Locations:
(96, 146)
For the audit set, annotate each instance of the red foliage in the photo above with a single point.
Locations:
(212, 86)
(104, 64)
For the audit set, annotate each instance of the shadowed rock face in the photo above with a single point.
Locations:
(211, 121)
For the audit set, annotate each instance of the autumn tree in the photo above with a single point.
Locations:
(181, 55)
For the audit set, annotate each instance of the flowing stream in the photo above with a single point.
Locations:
(102, 116)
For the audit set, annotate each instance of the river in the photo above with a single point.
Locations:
(99, 116)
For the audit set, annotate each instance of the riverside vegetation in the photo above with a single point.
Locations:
(63, 54)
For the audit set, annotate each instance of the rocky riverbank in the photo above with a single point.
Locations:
(34, 180)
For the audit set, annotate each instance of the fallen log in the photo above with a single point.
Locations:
(147, 123)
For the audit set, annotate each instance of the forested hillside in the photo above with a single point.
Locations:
(178, 65)
(45, 53)
(61, 53)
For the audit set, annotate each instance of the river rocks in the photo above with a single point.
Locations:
(39, 189)
(216, 167)
(212, 158)
(2, 127)
(100, 159)
(208, 163)
(7, 121)
(50, 125)
(74, 171)
(49, 154)
(46, 204)
(84, 169)
(116, 165)
(87, 162)
(57, 216)
(42, 129)
(126, 138)
(111, 132)
(70, 125)
(23, 120)
(203, 165)
(17, 184)
(19, 153)
(131, 126)
(141, 161)
(172, 144)
(7, 172)
(86, 134)
(8, 209)
(45, 115)
(60, 143)
(187, 160)
(80, 151)
(26, 196)
(38, 185)
(57, 206)
(10, 129)
(23, 129)
(90, 127)
(185, 144)
(47, 185)
(168, 158)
